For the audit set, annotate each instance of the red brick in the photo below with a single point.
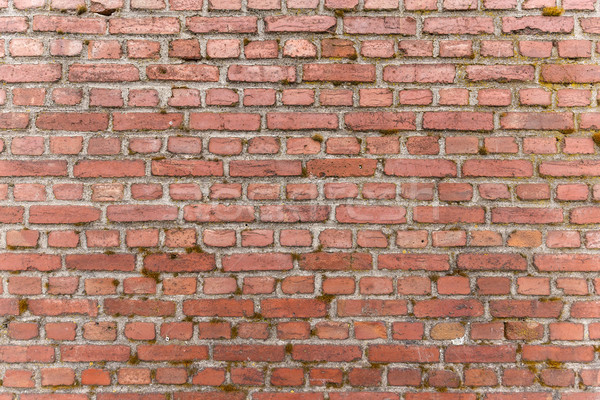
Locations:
(537, 23)
(380, 25)
(148, 308)
(179, 262)
(272, 353)
(498, 261)
(222, 24)
(381, 353)
(462, 121)
(372, 307)
(140, 26)
(30, 73)
(313, 23)
(380, 121)
(523, 215)
(410, 262)
(448, 308)
(293, 308)
(87, 122)
(525, 308)
(420, 168)
(172, 352)
(301, 121)
(331, 353)
(338, 72)
(261, 73)
(537, 121)
(460, 25)
(569, 168)
(558, 353)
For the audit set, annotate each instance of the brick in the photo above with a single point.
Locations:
(335, 261)
(69, 24)
(373, 307)
(313, 23)
(420, 168)
(225, 121)
(456, 48)
(399, 353)
(140, 26)
(537, 23)
(338, 48)
(536, 49)
(13, 24)
(147, 308)
(448, 308)
(369, 214)
(461, 121)
(500, 73)
(193, 73)
(338, 73)
(87, 122)
(566, 262)
(179, 262)
(380, 25)
(568, 168)
(430, 262)
(103, 73)
(460, 25)
(187, 168)
(491, 354)
(63, 214)
(99, 262)
(14, 121)
(222, 24)
(108, 169)
(558, 353)
(261, 73)
(293, 308)
(301, 121)
(523, 215)
(84, 353)
(307, 352)
(450, 214)
(172, 352)
(146, 121)
(294, 213)
(486, 262)
(249, 353)
(570, 73)
(525, 308)
(383, 121)
(257, 262)
(376, 97)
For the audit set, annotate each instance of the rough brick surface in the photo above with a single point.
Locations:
(299, 200)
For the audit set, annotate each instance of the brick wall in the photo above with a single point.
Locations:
(299, 200)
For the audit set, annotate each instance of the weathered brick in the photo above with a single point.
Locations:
(458, 26)
(312, 23)
(382, 353)
(183, 72)
(338, 73)
(141, 26)
(222, 24)
(458, 121)
(380, 121)
(103, 73)
(380, 25)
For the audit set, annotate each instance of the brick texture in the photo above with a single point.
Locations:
(299, 200)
